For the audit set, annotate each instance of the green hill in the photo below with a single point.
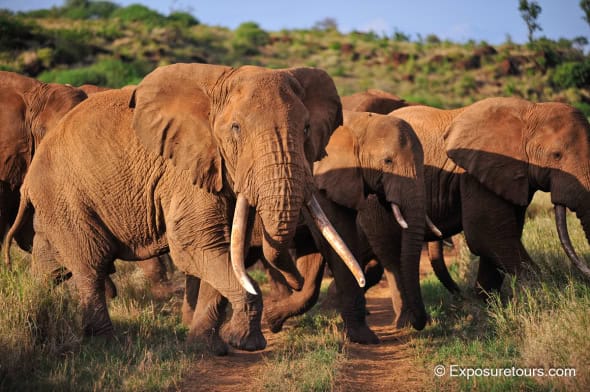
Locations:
(105, 44)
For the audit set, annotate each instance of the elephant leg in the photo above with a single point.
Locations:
(154, 270)
(401, 316)
(207, 319)
(279, 308)
(489, 278)
(493, 233)
(373, 273)
(352, 297)
(192, 285)
(437, 261)
(213, 266)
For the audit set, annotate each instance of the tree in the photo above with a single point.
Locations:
(530, 10)
(585, 5)
(326, 24)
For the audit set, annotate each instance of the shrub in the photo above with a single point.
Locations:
(70, 46)
(139, 13)
(86, 9)
(248, 37)
(15, 33)
(572, 74)
(110, 73)
(183, 18)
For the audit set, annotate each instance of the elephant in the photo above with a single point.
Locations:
(371, 179)
(181, 164)
(29, 109)
(374, 101)
(483, 164)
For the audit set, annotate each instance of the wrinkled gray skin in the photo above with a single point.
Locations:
(374, 154)
(156, 170)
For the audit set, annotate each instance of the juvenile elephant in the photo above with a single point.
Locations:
(28, 110)
(369, 154)
(484, 162)
(178, 165)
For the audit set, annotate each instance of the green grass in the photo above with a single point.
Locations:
(308, 356)
(540, 323)
(42, 347)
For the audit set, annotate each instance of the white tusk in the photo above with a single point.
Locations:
(398, 216)
(334, 239)
(433, 228)
(237, 244)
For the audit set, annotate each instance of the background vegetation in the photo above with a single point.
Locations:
(102, 43)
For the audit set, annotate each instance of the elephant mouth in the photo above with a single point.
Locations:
(240, 228)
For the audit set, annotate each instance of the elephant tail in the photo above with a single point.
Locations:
(23, 207)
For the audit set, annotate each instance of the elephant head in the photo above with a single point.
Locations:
(249, 131)
(515, 147)
(28, 110)
(382, 155)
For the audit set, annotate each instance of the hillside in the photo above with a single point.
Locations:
(104, 44)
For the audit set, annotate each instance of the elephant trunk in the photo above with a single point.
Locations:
(564, 238)
(411, 249)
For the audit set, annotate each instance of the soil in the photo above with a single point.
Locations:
(389, 366)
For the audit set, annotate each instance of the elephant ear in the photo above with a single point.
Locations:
(323, 103)
(338, 173)
(171, 118)
(16, 141)
(486, 139)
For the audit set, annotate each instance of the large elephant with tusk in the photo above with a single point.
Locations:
(483, 164)
(182, 164)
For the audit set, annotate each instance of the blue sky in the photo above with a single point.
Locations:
(459, 20)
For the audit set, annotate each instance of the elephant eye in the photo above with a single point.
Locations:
(556, 155)
(306, 130)
(235, 127)
(388, 161)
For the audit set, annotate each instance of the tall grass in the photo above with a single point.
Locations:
(42, 347)
(542, 322)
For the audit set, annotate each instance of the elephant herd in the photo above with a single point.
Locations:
(222, 167)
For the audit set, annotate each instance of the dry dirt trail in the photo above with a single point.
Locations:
(389, 366)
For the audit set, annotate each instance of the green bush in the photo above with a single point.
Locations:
(139, 13)
(109, 73)
(70, 46)
(183, 18)
(85, 9)
(16, 34)
(248, 37)
(572, 74)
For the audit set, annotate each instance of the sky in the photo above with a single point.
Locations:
(459, 20)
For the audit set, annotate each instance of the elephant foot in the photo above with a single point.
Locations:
(106, 331)
(274, 318)
(362, 334)
(209, 341)
(248, 340)
(407, 319)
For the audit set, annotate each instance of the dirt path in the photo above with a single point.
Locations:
(389, 366)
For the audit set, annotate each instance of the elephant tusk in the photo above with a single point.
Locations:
(238, 242)
(433, 228)
(398, 216)
(334, 239)
(566, 242)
